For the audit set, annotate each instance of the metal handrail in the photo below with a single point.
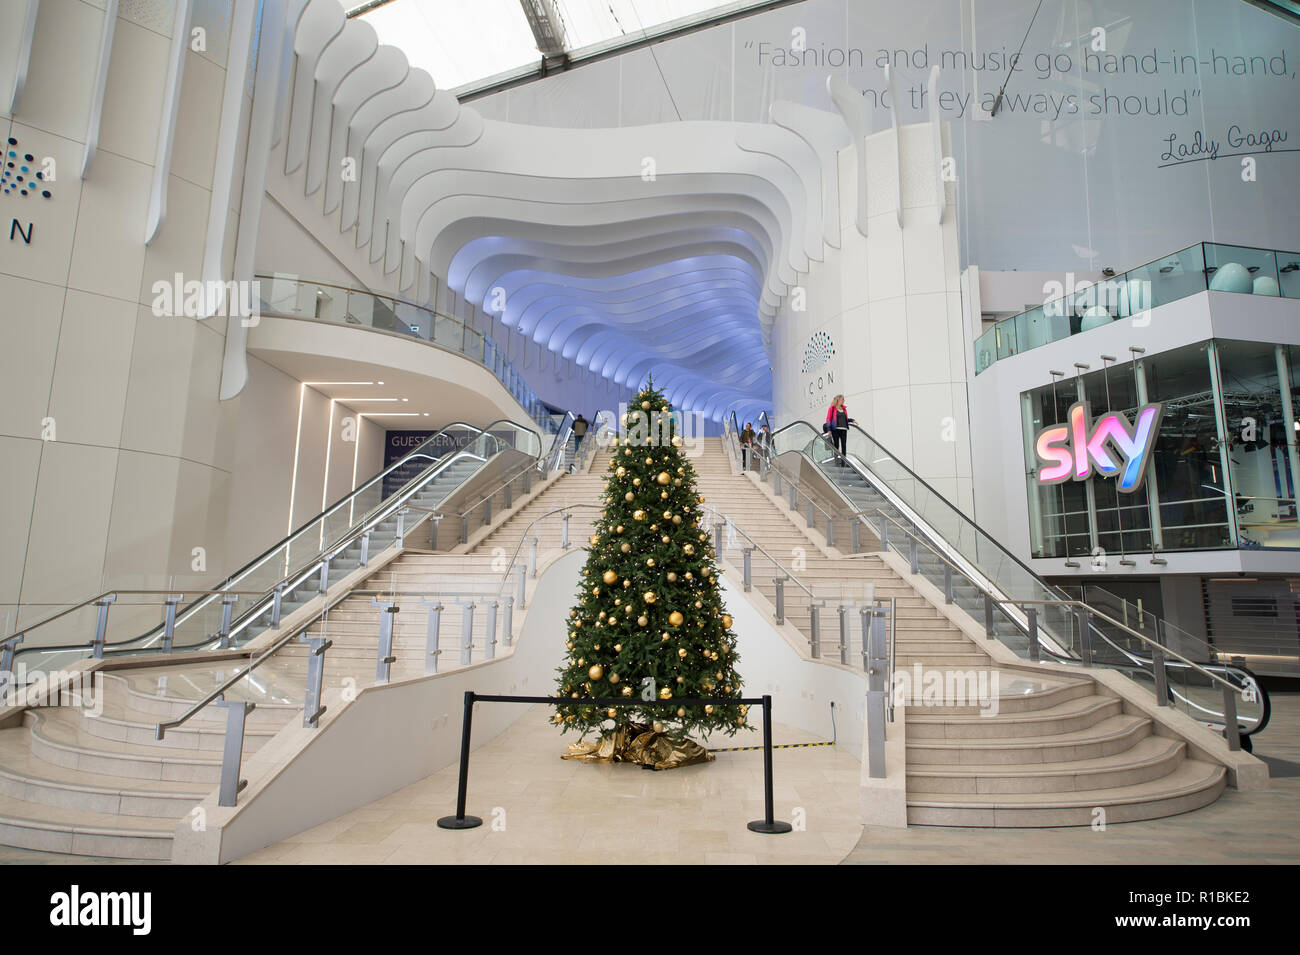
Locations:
(510, 565)
(514, 476)
(772, 457)
(709, 509)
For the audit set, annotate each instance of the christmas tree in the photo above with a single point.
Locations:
(649, 622)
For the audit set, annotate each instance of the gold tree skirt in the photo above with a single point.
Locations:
(639, 743)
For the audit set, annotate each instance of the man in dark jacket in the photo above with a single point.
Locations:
(746, 445)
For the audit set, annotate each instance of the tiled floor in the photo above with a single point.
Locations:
(538, 808)
(1250, 828)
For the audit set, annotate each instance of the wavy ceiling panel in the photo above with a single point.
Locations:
(663, 249)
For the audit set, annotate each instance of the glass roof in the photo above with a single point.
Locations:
(461, 42)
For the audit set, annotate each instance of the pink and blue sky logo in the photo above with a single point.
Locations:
(1111, 446)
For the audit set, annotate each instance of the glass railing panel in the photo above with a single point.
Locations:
(1233, 268)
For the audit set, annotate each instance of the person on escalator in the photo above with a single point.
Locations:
(837, 424)
(579, 432)
(746, 445)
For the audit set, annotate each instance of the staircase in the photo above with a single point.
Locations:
(1041, 748)
(75, 783)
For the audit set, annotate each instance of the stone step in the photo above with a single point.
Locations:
(1191, 785)
(1112, 735)
(1067, 716)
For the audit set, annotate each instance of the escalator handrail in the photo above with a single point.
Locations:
(260, 604)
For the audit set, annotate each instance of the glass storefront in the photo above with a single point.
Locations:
(1222, 465)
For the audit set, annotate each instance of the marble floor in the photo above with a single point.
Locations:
(538, 808)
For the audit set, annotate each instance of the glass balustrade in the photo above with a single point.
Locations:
(1205, 266)
(295, 297)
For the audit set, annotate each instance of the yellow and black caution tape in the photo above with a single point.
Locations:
(742, 749)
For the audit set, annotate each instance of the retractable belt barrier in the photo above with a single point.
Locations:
(768, 824)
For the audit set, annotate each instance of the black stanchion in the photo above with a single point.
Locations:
(768, 824)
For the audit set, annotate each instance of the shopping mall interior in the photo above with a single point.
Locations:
(880, 421)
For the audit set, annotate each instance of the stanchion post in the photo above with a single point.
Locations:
(460, 820)
(769, 823)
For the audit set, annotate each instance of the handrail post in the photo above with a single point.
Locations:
(1084, 619)
(464, 528)
(855, 534)
(523, 585)
(844, 634)
(814, 637)
(325, 575)
(884, 534)
(277, 604)
(564, 531)
(510, 497)
(877, 665)
(532, 557)
(232, 752)
(776, 481)
(867, 615)
(528, 480)
(101, 624)
(460, 820)
(988, 616)
(748, 569)
(227, 611)
(365, 546)
(508, 621)
(312, 710)
(947, 583)
(794, 497)
(768, 823)
(467, 633)
(7, 663)
(401, 527)
(913, 556)
(1161, 675)
(169, 620)
(487, 512)
(431, 650)
(830, 531)
(1032, 614)
(433, 534)
(1231, 731)
(388, 611)
(490, 632)
(809, 519)
(717, 538)
(780, 599)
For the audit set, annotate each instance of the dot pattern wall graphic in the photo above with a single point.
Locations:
(819, 350)
(21, 175)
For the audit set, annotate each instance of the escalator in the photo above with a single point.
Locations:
(400, 500)
(982, 577)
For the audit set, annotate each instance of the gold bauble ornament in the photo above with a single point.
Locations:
(594, 540)
(613, 678)
(645, 406)
(611, 712)
(636, 482)
(654, 527)
(619, 529)
(688, 575)
(663, 495)
(663, 638)
(675, 618)
(650, 597)
(662, 477)
(726, 621)
(621, 471)
(681, 679)
(649, 561)
(718, 674)
(689, 548)
(740, 720)
(601, 615)
(609, 576)
(612, 621)
(595, 591)
(665, 693)
(681, 711)
(638, 516)
(668, 515)
(627, 691)
(642, 621)
(574, 694)
(664, 538)
(649, 460)
(698, 605)
(596, 671)
(625, 547)
(677, 482)
(558, 718)
(629, 497)
(672, 577)
(569, 644)
(682, 653)
(658, 727)
(618, 648)
(627, 451)
(677, 518)
(677, 441)
(708, 708)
